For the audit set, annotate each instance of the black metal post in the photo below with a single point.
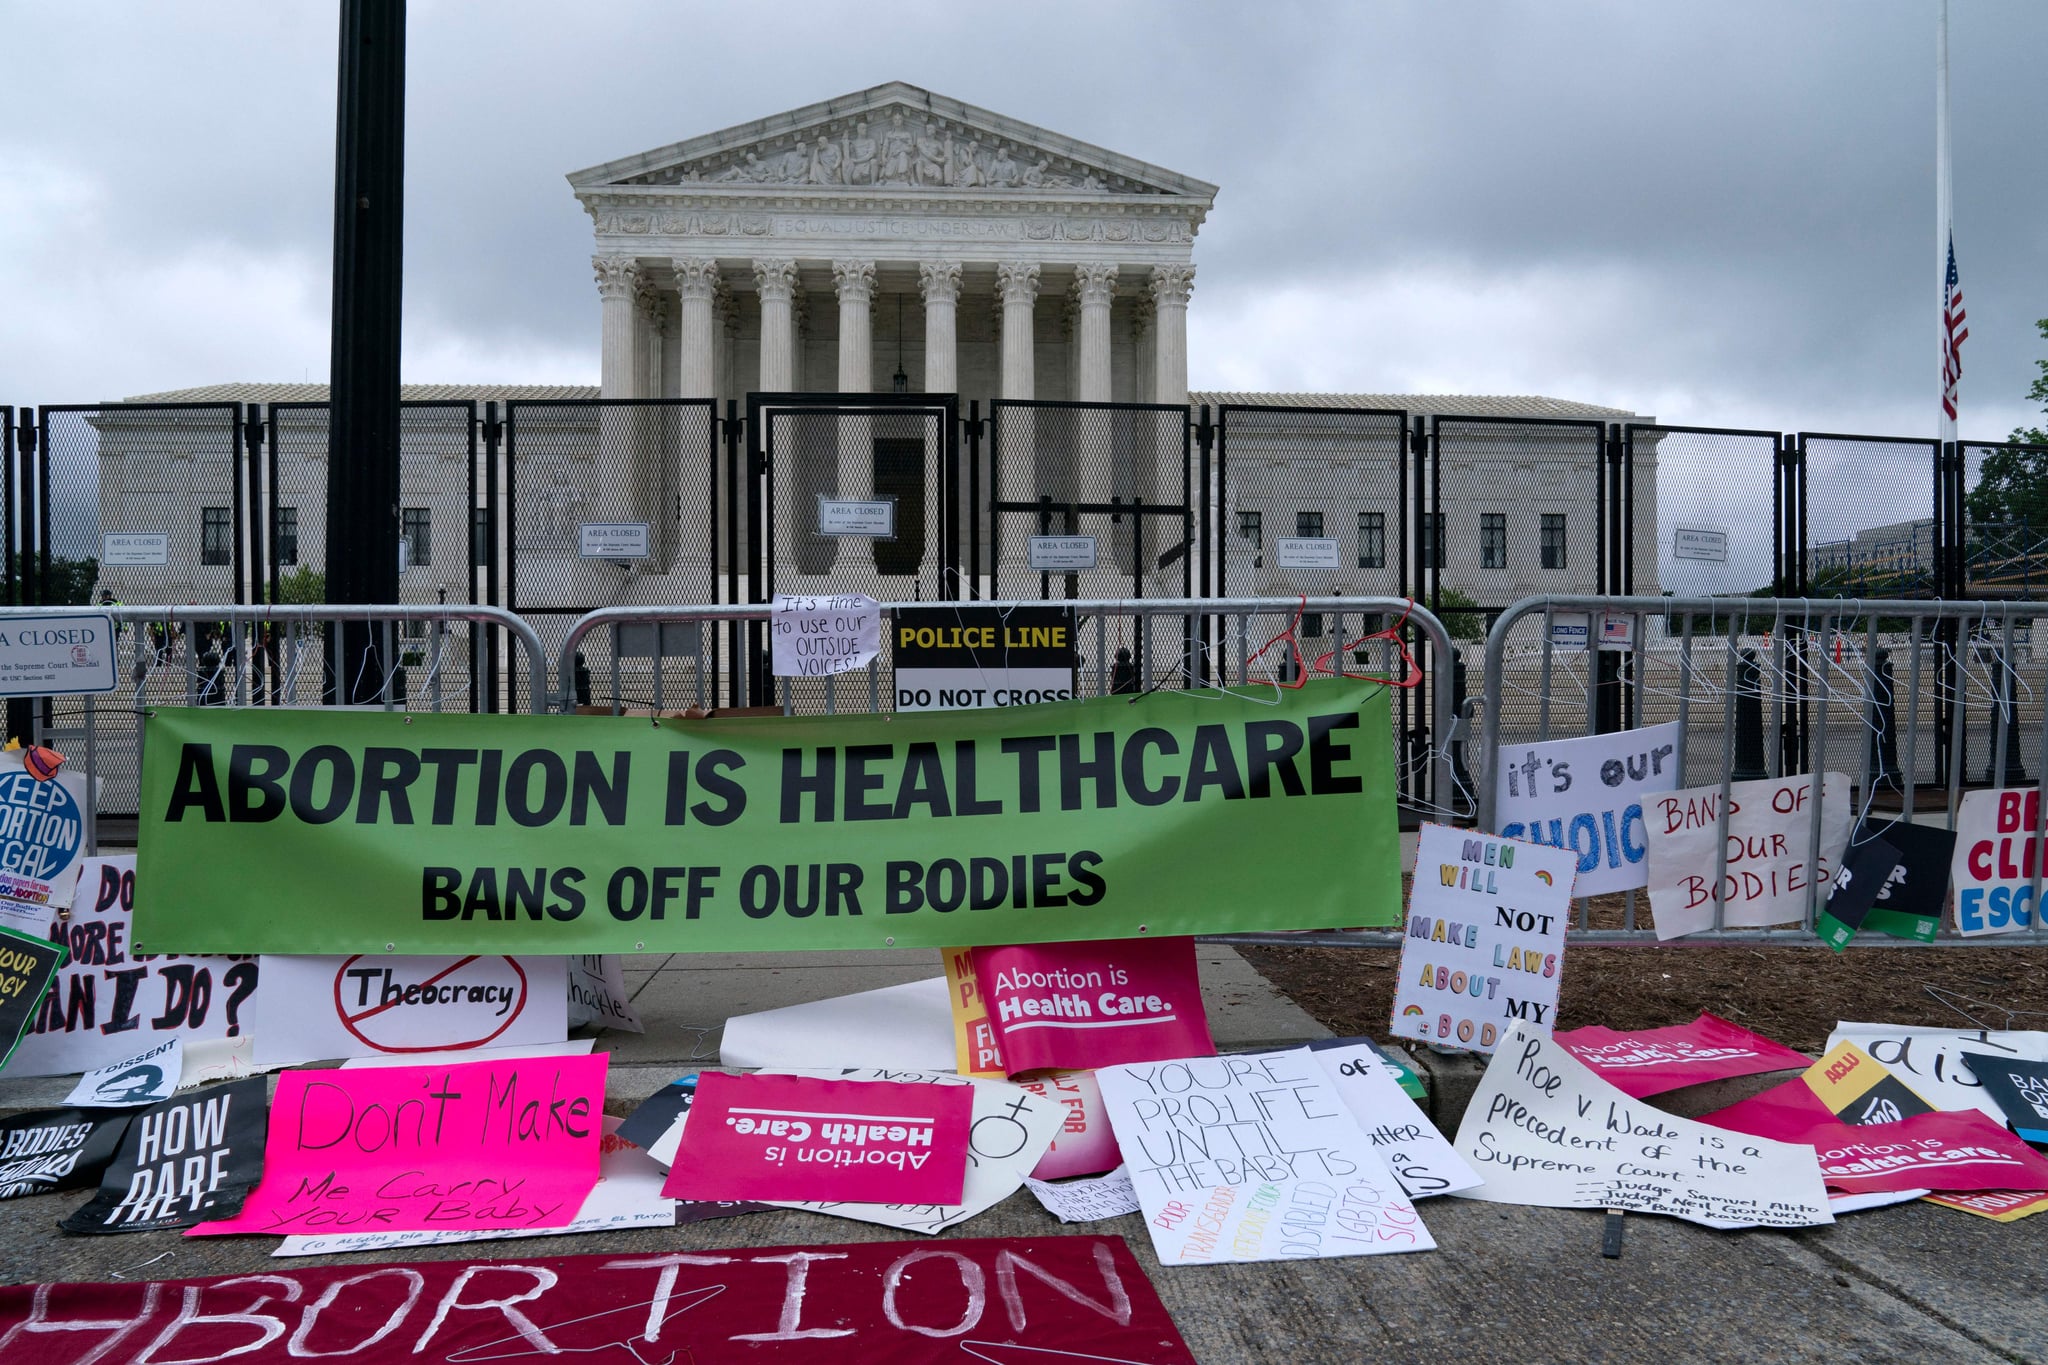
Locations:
(494, 436)
(21, 710)
(369, 205)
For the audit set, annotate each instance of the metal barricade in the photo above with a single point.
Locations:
(240, 656)
(1914, 700)
(1163, 637)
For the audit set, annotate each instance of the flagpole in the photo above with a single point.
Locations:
(1943, 211)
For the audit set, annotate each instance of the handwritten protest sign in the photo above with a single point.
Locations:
(56, 1149)
(1418, 1155)
(1398, 1070)
(109, 1002)
(142, 1079)
(315, 1008)
(1009, 1133)
(27, 967)
(799, 1138)
(811, 637)
(1082, 1005)
(1086, 1144)
(42, 834)
(193, 1157)
(1586, 795)
(1086, 1201)
(1644, 1062)
(627, 1195)
(1995, 858)
(480, 1146)
(1010, 1301)
(1543, 1129)
(598, 994)
(1769, 844)
(1932, 1151)
(1485, 937)
(1253, 1157)
(1935, 1062)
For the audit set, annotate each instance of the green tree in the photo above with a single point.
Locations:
(1454, 609)
(304, 586)
(2013, 486)
(70, 581)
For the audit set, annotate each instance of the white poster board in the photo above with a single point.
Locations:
(1484, 941)
(1934, 1062)
(317, 1008)
(1992, 868)
(812, 637)
(1253, 1157)
(1587, 795)
(1419, 1156)
(1770, 847)
(1543, 1129)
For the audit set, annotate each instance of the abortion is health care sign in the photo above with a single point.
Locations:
(1087, 1005)
(1995, 858)
(1485, 939)
(1586, 795)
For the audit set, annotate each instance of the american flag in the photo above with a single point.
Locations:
(1953, 332)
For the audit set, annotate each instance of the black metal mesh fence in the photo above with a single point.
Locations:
(1702, 510)
(1070, 469)
(1511, 508)
(2004, 518)
(1312, 474)
(1870, 516)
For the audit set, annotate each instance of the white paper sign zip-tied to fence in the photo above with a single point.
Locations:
(813, 637)
(1253, 1157)
(1543, 1129)
(1770, 851)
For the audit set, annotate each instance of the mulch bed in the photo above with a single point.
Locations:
(1794, 995)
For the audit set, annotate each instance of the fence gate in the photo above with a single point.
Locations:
(615, 502)
(851, 493)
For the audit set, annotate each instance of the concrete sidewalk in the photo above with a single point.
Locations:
(1913, 1282)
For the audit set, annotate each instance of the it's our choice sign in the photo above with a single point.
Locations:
(960, 658)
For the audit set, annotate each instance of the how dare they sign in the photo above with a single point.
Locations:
(192, 1157)
(1484, 944)
(1012, 1301)
(1586, 795)
(1773, 862)
(314, 1008)
(475, 1146)
(110, 1002)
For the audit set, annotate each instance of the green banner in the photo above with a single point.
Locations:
(282, 831)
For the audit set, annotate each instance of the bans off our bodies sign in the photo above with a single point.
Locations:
(1171, 813)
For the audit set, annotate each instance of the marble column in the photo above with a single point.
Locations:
(1096, 287)
(618, 358)
(615, 277)
(939, 282)
(696, 343)
(1142, 337)
(1017, 287)
(854, 281)
(1171, 285)
(696, 283)
(776, 279)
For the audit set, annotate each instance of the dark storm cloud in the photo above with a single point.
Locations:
(1723, 213)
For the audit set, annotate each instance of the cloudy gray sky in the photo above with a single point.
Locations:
(1720, 213)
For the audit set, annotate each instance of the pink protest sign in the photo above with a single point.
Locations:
(1085, 1145)
(475, 1147)
(1949, 1150)
(1651, 1061)
(1084, 1005)
(800, 1138)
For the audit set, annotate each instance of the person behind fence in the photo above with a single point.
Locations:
(1123, 675)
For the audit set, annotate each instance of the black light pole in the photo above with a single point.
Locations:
(362, 433)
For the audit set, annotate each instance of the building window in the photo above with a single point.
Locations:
(285, 536)
(1493, 540)
(1553, 540)
(1308, 523)
(480, 535)
(1249, 526)
(1431, 551)
(418, 527)
(216, 536)
(1372, 540)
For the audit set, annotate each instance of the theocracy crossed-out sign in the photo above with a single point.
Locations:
(416, 834)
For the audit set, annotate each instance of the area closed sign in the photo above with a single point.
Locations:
(41, 655)
(959, 658)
